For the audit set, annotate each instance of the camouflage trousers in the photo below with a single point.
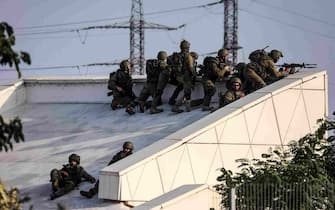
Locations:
(209, 91)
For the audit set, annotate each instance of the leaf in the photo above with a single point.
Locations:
(25, 57)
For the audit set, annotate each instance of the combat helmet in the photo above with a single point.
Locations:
(223, 52)
(210, 59)
(184, 45)
(275, 55)
(194, 55)
(124, 64)
(162, 55)
(74, 157)
(128, 145)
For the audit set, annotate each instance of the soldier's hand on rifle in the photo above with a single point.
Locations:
(120, 89)
(64, 173)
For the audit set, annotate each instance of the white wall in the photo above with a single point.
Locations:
(12, 95)
(85, 90)
(271, 116)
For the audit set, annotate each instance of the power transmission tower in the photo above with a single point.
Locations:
(137, 37)
(230, 40)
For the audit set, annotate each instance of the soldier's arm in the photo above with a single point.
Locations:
(255, 77)
(273, 70)
(228, 98)
(115, 158)
(86, 176)
(190, 63)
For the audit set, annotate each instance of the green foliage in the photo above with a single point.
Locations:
(9, 131)
(307, 166)
(10, 200)
(7, 55)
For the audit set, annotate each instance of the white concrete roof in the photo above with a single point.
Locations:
(94, 131)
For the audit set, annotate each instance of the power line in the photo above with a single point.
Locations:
(295, 13)
(287, 24)
(121, 17)
(65, 66)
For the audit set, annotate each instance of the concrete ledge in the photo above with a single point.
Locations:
(185, 197)
(271, 116)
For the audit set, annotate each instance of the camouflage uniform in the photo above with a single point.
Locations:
(211, 72)
(183, 73)
(120, 155)
(122, 86)
(232, 94)
(259, 74)
(67, 178)
(224, 63)
(154, 68)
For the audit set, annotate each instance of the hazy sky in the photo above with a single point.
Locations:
(304, 30)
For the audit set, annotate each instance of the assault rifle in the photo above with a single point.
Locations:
(297, 65)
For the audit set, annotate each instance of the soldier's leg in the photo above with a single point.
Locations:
(162, 82)
(55, 179)
(68, 186)
(93, 191)
(144, 95)
(187, 95)
(174, 96)
(209, 91)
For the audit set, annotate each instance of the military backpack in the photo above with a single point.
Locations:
(152, 70)
(258, 55)
(111, 81)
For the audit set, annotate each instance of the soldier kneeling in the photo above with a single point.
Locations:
(67, 178)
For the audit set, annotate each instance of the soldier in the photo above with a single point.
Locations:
(153, 69)
(67, 178)
(262, 71)
(122, 86)
(211, 72)
(234, 92)
(164, 76)
(127, 150)
(224, 63)
(182, 64)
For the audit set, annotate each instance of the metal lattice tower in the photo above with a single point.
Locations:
(230, 40)
(137, 37)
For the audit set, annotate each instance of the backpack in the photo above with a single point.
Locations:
(151, 67)
(258, 55)
(111, 81)
(176, 61)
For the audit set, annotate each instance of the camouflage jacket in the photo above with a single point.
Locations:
(76, 174)
(123, 80)
(120, 155)
(230, 96)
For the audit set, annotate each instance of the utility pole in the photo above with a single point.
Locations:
(230, 39)
(137, 37)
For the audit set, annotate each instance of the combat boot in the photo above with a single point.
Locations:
(187, 105)
(176, 109)
(172, 101)
(154, 110)
(114, 105)
(207, 108)
(141, 104)
(130, 110)
(87, 194)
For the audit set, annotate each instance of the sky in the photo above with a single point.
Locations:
(302, 29)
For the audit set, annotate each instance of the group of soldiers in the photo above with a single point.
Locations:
(180, 70)
(72, 174)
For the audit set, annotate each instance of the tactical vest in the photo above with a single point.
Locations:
(152, 70)
(177, 61)
(111, 81)
(258, 55)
